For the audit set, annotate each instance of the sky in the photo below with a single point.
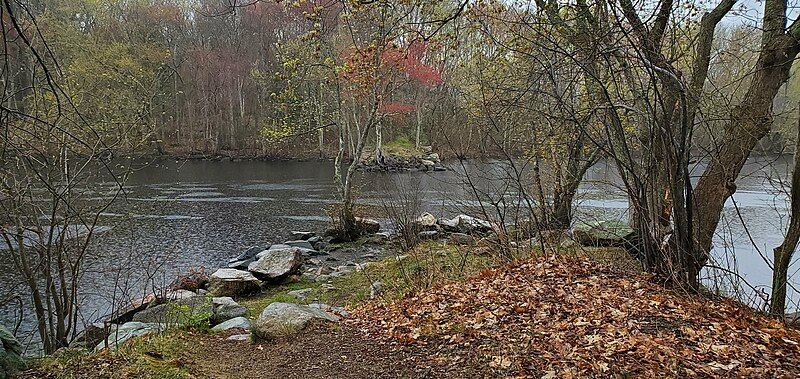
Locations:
(749, 12)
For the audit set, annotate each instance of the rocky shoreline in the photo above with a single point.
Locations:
(199, 297)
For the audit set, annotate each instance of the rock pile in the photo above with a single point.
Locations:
(425, 160)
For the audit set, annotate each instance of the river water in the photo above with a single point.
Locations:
(174, 216)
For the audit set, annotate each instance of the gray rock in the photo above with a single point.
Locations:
(226, 309)
(375, 290)
(309, 252)
(461, 239)
(425, 221)
(276, 264)
(91, 335)
(465, 224)
(240, 337)
(232, 282)
(427, 163)
(234, 323)
(367, 225)
(283, 319)
(301, 294)
(428, 234)
(276, 246)
(300, 243)
(176, 313)
(119, 334)
(10, 353)
(434, 157)
(314, 240)
(302, 235)
(248, 254)
(339, 311)
(368, 256)
(178, 295)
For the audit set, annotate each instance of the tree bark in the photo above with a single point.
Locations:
(750, 121)
(783, 253)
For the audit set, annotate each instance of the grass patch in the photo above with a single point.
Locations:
(160, 355)
(428, 264)
(401, 146)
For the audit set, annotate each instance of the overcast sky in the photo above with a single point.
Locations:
(750, 11)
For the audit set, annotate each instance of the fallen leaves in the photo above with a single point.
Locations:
(569, 317)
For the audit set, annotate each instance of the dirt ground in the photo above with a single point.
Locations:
(322, 351)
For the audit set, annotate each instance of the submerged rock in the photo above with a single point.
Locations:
(283, 319)
(276, 264)
(232, 282)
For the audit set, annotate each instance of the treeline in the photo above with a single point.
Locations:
(216, 77)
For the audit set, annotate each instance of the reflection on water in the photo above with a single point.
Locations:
(174, 216)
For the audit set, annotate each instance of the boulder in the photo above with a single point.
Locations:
(283, 319)
(248, 254)
(244, 259)
(125, 312)
(275, 246)
(603, 233)
(273, 265)
(428, 234)
(461, 239)
(191, 281)
(178, 295)
(425, 221)
(10, 353)
(465, 224)
(232, 282)
(367, 225)
(121, 333)
(300, 243)
(234, 323)
(176, 312)
(302, 235)
(427, 163)
(91, 335)
(224, 309)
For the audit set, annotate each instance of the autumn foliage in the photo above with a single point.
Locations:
(567, 317)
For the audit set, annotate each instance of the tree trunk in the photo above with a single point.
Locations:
(750, 121)
(783, 253)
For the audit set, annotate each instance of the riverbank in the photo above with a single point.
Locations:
(447, 309)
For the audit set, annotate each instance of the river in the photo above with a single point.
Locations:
(174, 216)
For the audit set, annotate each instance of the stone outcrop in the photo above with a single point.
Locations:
(232, 282)
(283, 319)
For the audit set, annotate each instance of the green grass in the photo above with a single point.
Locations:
(426, 265)
(401, 146)
(159, 355)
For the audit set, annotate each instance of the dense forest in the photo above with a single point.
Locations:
(674, 96)
(265, 79)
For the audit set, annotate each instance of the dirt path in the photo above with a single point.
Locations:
(319, 352)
